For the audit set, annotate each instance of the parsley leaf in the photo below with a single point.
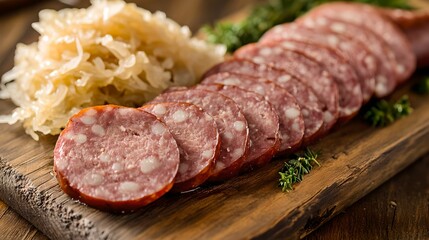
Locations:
(383, 113)
(295, 169)
(265, 16)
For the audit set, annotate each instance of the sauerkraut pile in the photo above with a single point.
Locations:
(112, 52)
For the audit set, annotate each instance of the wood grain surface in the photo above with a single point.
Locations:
(355, 160)
(398, 209)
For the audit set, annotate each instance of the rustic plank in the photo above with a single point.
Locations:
(364, 153)
(397, 210)
(368, 218)
(3, 209)
(21, 230)
(39, 236)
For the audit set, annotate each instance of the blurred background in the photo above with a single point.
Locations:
(16, 17)
(186, 12)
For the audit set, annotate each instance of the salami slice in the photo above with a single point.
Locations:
(305, 69)
(368, 17)
(350, 94)
(385, 79)
(263, 123)
(415, 25)
(290, 117)
(115, 158)
(359, 57)
(311, 107)
(419, 38)
(197, 137)
(232, 126)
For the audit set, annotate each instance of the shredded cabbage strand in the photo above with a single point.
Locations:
(112, 52)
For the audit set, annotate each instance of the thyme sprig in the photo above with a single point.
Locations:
(383, 113)
(294, 170)
(265, 16)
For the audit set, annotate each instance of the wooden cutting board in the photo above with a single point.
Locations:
(355, 159)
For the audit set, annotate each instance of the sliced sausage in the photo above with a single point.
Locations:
(115, 158)
(406, 19)
(263, 123)
(289, 112)
(231, 123)
(350, 94)
(311, 107)
(370, 18)
(197, 137)
(415, 25)
(359, 57)
(419, 38)
(386, 78)
(305, 69)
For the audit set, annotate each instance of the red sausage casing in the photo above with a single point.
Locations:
(115, 158)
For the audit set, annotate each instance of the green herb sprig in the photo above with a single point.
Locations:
(383, 113)
(265, 16)
(422, 86)
(295, 169)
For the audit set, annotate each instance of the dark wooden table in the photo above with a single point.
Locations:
(399, 209)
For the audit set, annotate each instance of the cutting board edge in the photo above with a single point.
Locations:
(72, 225)
(331, 209)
